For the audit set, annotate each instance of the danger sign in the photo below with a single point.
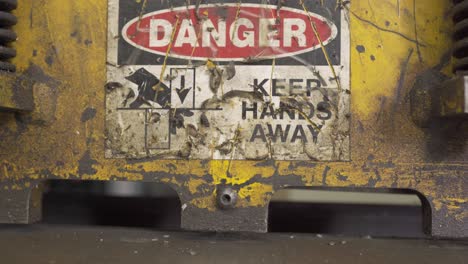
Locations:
(228, 80)
(228, 36)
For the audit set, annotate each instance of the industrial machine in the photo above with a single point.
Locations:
(229, 102)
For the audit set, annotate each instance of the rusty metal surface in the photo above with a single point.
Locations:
(16, 93)
(453, 97)
(49, 244)
(63, 47)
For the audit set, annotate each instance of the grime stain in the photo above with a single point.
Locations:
(361, 48)
(88, 114)
(85, 164)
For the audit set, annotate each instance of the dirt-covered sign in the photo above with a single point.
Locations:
(228, 80)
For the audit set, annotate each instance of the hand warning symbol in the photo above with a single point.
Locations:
(150, 88)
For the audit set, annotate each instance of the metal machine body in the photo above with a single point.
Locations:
(56, 124)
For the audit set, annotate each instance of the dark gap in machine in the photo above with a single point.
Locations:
(355, 214)
(152, 205)
(114, 203)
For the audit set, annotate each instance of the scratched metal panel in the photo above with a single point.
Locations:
(225, 80)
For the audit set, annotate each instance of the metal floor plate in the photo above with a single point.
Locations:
(54, 244)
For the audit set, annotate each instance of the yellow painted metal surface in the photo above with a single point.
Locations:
(65, 41)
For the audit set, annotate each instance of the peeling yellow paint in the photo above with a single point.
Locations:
(194, 184)
(255, 194)
(207, 202)
(235, 173)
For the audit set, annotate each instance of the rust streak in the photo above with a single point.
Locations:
(163, 70)
(236, 18)
(140, 16)
(273, 63)
(324, 50)
(235, 141)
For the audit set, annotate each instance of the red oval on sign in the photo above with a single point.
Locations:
(228, 32)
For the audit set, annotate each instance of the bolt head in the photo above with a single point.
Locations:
(226, 198)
